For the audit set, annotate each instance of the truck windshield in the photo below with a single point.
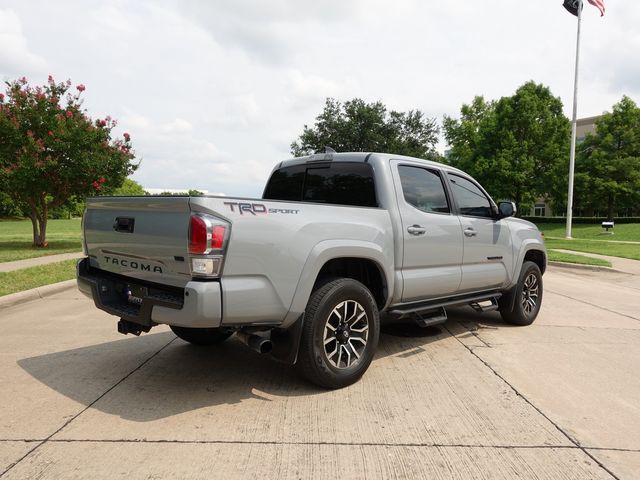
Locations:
(343, 183)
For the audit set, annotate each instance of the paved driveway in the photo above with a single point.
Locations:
(474, 399)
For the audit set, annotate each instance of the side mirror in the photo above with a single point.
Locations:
(506, 209)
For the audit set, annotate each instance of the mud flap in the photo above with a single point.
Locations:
(286, 342)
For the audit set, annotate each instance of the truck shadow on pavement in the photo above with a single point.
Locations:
(157, 375)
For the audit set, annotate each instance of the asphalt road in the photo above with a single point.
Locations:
(474, 399)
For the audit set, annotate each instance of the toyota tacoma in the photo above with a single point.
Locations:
(337, 241)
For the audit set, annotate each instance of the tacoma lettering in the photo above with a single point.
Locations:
(145, 267)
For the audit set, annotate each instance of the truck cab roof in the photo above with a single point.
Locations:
(361, 157)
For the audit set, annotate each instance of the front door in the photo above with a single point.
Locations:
(432, 237)
(487, 240)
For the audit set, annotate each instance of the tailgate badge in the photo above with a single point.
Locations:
(133, 264)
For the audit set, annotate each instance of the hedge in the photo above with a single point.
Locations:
(589, 220)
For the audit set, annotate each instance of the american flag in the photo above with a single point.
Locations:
(599, 4)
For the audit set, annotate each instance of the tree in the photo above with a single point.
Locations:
(190, 193)
(129, 188)
(8, 207)
(515, 146)
(51, 151)
(609, 160)
(356, 126)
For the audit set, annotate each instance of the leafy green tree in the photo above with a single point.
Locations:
(51, 151)
(190, 192)
(8, 207)
(609, 160)
(515, 146)
(356, 126)
(129, 188)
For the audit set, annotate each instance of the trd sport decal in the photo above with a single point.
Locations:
(256, 208)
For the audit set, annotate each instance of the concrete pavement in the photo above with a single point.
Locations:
(476, 399)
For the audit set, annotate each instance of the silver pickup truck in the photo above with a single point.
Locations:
(305, 273)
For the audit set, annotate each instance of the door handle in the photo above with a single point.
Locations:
(470, 232)
(416, 230)
(124, 224)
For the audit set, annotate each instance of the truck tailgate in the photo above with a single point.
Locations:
(140, 237)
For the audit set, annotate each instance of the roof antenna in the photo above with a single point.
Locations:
(329, 150)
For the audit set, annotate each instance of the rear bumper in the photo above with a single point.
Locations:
(197, 305)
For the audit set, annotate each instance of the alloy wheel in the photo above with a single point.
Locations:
(346, 333)
(530, 293)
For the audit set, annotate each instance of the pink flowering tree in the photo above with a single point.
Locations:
(51, 151)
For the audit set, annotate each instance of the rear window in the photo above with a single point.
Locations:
(338, 183)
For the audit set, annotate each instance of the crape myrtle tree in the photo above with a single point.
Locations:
(517, 146)
(608, 166)
(52, 152)
(357, 126)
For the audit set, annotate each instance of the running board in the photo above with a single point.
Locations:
(422, 308)
(488, 305)
(431, 318)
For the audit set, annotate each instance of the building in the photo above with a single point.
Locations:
(584, 126)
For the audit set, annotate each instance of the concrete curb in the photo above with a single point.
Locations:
(35, 293)
(577, 266)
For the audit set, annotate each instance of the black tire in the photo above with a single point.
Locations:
(202, 336)
(323, 363)
(528, 296)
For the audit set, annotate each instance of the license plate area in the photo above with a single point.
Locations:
(135, 294)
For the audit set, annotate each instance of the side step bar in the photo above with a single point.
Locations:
(424, 308)
(431, 318)
(488, 305)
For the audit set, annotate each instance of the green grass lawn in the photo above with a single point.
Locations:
(624, 250)
(26, 278)
(580, 259)
(64, 236)
(626, 231)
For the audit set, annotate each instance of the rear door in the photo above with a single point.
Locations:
(487, 240)
(432, 237)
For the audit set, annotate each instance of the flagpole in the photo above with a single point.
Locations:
(572, 154)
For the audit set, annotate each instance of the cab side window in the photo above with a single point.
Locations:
(423, 188)
(470, 199)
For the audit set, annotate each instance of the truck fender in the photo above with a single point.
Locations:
(327, 250)
(526, 246)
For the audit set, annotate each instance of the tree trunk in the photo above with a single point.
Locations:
(39, 224)
(36, 232)
(42, 221)
(610, 205)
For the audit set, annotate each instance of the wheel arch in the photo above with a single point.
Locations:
(362, 261)
(537, 256)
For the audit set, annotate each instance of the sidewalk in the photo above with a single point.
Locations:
(595, 240)
(34, 262)
(622, 264)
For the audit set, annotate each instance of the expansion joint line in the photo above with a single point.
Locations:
(42, 442)
(531, 404)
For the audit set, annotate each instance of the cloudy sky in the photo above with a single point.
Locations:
(213, 92)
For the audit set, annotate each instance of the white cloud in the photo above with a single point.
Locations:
(178, 125)
(214, 92)
(16, 59)
(311, 86)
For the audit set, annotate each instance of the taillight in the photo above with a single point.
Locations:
(217, 237)
(207, 236)
(198, 235)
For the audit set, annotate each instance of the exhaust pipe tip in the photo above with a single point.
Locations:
(265, 346)
(255, 342)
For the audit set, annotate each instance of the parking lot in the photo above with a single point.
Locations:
(475, 398)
